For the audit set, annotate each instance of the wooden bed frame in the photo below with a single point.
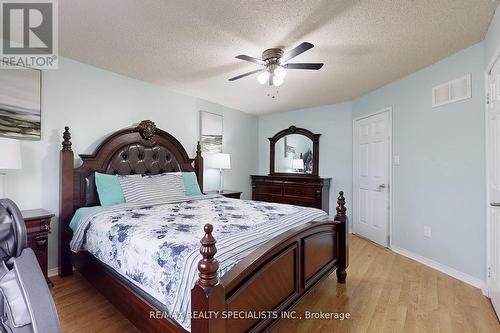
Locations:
(272, 278)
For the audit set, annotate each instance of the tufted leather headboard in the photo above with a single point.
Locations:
(141, 149)
(130, 160)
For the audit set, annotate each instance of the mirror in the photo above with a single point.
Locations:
(293, 154)
(294, 151)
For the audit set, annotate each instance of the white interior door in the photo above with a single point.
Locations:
(372, 157)
(494, 186)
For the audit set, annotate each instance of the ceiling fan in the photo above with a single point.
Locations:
(275, 63)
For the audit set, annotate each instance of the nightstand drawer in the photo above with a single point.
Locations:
(39, 245)
(37, 223)
(227, 193)
(233, 195)
(37, 226)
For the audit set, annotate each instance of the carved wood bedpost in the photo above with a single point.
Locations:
(208, 293)
(198, 166)
(343, 239)
(66, 204)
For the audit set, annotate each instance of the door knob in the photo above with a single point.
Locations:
(382, 186)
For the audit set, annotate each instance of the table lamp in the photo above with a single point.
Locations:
(10, 159)
(297, 164)
(219, 161)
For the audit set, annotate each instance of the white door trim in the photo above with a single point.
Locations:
(491, 63)
(486, 289)
(354, 120)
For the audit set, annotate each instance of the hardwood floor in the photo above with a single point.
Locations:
(82, 309)
(385, 292)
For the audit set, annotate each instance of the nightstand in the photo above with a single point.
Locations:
(38, 228)
(227, 193)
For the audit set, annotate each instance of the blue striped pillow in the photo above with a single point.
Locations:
(165, 186)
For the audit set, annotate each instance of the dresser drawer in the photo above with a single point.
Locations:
(276, 189)
(300, 191)
(267, 198)
(306, 202)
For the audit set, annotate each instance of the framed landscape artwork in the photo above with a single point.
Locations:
(211, 132)
(20, 102)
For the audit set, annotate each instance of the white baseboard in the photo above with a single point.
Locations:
(53, 272)
(473, 281)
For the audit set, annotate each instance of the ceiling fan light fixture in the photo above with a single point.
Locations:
(263, 77)
(277, 81)
(275, 64)
(279, 73)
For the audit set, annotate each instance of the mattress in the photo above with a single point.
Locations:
(155, 245)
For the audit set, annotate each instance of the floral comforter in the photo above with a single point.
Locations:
(155, 245)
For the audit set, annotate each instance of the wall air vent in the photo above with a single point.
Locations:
(452, 91)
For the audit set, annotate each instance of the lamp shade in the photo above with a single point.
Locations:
(10, 154)
(219, 161)
(297, 163)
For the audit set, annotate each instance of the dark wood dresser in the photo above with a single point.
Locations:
(38, 228)
(294, 190)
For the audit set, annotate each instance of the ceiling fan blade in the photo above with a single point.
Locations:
(251, 59)
(296, 51)
(314, 66)
(246, 74)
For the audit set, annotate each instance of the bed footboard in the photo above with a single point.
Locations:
(254, 294)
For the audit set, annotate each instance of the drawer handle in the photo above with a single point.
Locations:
(41, 242)
(45, 227)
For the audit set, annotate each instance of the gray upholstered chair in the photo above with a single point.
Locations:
(26, 304)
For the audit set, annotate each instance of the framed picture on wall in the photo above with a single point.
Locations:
(211, 132)
(20, 102)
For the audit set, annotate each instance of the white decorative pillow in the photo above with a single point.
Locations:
(165, 186)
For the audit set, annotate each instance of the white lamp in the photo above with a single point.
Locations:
(297, 164)
(219, 161)
(10, 159)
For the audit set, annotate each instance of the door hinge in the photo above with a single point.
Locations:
(488, 98)
(490, 272)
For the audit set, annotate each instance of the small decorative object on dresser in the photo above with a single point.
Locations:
(227, 193)
(38, 229)
(293, 171)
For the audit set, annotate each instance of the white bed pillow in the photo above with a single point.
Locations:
(165, 186)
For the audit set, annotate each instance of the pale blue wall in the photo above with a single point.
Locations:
(441, 179)
(439, 183)
(334, 123)
(492, 41)
(95, 102)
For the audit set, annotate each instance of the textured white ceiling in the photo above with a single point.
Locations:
(189, 46)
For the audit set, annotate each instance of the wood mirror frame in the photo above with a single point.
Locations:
(295, 130)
